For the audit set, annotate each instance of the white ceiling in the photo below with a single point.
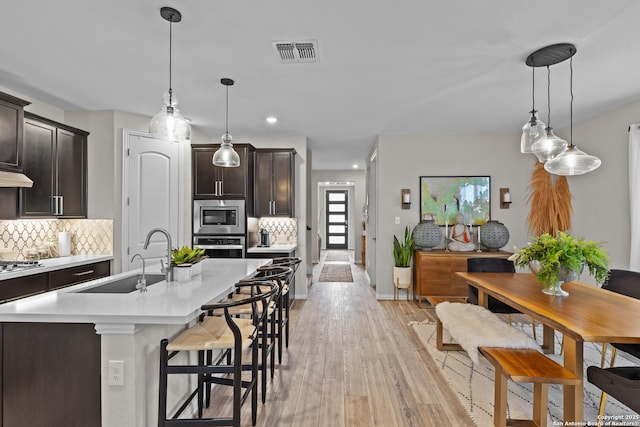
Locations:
(385, 67)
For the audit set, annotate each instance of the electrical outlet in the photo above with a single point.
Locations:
(397, 220)
(116, 372)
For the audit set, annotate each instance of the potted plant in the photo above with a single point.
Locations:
(560, 259)
(402, 253)
(187, 257)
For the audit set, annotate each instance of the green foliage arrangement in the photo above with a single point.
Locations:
(402, 252)
(187, 255)
(563, 252)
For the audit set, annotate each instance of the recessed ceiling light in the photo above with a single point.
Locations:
(355, 166)
(272, 120)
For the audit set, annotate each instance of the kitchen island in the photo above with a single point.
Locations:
(130, 327)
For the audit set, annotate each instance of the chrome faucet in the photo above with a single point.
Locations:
(142, 283)
(165, 266)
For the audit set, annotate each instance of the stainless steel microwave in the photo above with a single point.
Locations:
(219, 217)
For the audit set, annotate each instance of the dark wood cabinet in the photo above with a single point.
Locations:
(11, 132)
(274, 182)
(20, 287)
(55, 158)
(82, 273)
(50, 373)
(213, 182)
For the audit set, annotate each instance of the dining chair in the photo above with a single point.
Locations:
(627, 283)
(623, 383)
(493, 265)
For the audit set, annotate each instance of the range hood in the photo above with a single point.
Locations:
(14, 179)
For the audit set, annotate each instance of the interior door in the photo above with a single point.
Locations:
(336, 206)
(151, 199)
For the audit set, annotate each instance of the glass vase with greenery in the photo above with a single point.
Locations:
(559, 255)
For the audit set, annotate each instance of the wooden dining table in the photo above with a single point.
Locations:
(587, 314)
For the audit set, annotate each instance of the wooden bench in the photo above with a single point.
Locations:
(525, 365)
(472, 326)
(440, 345)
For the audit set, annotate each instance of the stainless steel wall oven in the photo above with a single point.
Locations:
(221, 246)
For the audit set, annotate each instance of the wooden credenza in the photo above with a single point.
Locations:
(434, 271)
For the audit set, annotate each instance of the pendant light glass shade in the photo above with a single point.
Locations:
(533, 131)
(549, 147)
(226, 156)
(169, 124)
(572, 162)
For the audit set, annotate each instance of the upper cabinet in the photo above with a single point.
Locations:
(55, 158)
(274, 182)
(11, 132)
(214, 182)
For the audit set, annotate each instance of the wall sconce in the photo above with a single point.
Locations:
(505, 198)
(405, 197)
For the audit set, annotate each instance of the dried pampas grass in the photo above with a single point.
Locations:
(550, 204)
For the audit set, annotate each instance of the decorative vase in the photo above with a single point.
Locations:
(427, 234)
(494, 235)
(565, 276)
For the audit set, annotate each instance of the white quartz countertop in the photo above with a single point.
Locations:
(163, 303)
(271, 249)
(52, 264)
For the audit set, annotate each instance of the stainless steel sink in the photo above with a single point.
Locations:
(124, 285)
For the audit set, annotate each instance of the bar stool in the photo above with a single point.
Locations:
(230, 335)
(282, 274)
(267, 339)
(293, 263)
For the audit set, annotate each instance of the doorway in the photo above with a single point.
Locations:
(336, 206)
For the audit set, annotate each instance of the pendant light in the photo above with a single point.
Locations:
(573, 161)
(547, 148)
(534, 130)
(169, 124)
(226, 156)
(551, 146)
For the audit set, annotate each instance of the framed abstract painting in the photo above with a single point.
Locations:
(443, 197)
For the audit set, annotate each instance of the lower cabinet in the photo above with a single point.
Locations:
(50, 371)
(25, 286)
(50, 375)
(434, 271)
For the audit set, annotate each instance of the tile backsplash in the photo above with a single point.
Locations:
(88, 236)
(284, 231)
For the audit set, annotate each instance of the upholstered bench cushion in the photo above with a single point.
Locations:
(474, 326)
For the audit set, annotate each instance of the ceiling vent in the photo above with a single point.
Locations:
(290, 52)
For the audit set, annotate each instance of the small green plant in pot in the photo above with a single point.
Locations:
(187, 255)
(402, 253)
(560, 259)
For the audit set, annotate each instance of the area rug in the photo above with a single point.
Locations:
(473, 384)
(336, 273)
(340, 256)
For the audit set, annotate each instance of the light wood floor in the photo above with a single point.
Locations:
(353, 361)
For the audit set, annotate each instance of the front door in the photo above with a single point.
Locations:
(337, 221)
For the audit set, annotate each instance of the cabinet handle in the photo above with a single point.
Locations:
(61, 205)
(274, 208)
(54, 202)
(220, 188)
(83, 273)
